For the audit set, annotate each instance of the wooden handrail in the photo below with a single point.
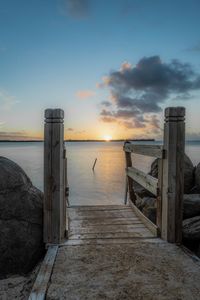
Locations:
(169, 186)
(147, 181)
(149, 150)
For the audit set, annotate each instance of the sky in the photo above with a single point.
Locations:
(111, 65)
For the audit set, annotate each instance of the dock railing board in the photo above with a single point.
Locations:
(55, 178)
(169, 186)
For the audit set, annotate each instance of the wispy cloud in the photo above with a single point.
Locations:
(2, 124)
(7, 101)
(193, 136)
(78, 9)
(85, 94)
(138, 92)
(106, 103)
(195, 48)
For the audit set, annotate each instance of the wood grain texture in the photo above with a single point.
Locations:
(148, 150)
(41, 283)
(147, 181)
(173, 174)
(159, 196)
(54, 201)
(128, 161)
(151, 226)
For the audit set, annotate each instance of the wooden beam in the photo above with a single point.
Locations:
(40, 286)
(147, 181)
(173, 174)
(150, 225)
(129, 179)
(149, 150)
(159, 196)
(54, 204)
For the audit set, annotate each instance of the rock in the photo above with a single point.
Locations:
(21, 220)
(197, 177)
(191, 229)
(191, 205)
(148, 202)
(154, 168)
(148, 207)
(140, 190)
(150, 213)
(188, 173)
(195, 190)
(198, 250)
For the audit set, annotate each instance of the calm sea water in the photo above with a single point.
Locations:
(103, 186)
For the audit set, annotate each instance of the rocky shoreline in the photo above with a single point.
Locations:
(146, 202)
(21, 221)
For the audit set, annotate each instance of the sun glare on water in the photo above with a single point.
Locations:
(107, 138)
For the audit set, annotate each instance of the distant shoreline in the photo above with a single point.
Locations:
(38, 141)
(100, 141)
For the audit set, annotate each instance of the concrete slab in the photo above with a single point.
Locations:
(149, 271)
(111, 255)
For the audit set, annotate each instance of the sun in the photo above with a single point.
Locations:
(107, 138)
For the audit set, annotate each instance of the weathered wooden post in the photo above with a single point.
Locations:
(129, 179)
(54, 188)
(173, 174)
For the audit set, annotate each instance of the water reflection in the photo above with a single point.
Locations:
(103, 186)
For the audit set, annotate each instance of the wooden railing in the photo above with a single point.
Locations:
(169, 186)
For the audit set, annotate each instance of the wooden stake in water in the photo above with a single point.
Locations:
(94, 164)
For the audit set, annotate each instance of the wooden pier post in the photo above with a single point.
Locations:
(54, 185)
(129, 164)
(173, 174)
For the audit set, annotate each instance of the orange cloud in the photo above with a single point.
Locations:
(85, 94)
(125, 66)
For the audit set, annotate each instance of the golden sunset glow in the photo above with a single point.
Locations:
(107, 138)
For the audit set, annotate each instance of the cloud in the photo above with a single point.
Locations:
(70, 129)
(78, 9)
(195, 48)
(192, 136)
(2, 124)
(85, 94)
(6, 101)
(138, 92)
(106, 103)
(81, 132)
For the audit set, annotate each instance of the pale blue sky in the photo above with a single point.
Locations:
(51, 49)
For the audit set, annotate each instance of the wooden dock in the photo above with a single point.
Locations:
(114, 251)
(111, 254)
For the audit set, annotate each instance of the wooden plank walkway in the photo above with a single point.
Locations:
(110, 254)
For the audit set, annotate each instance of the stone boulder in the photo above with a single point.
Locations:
(154, 168)
(197, 178)
(141, 191)
(188, 173)
(191, 229)
(147, 202)
(21, 220)
(150, 213)
(191, 205)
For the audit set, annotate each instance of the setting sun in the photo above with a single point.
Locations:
(107, 138)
